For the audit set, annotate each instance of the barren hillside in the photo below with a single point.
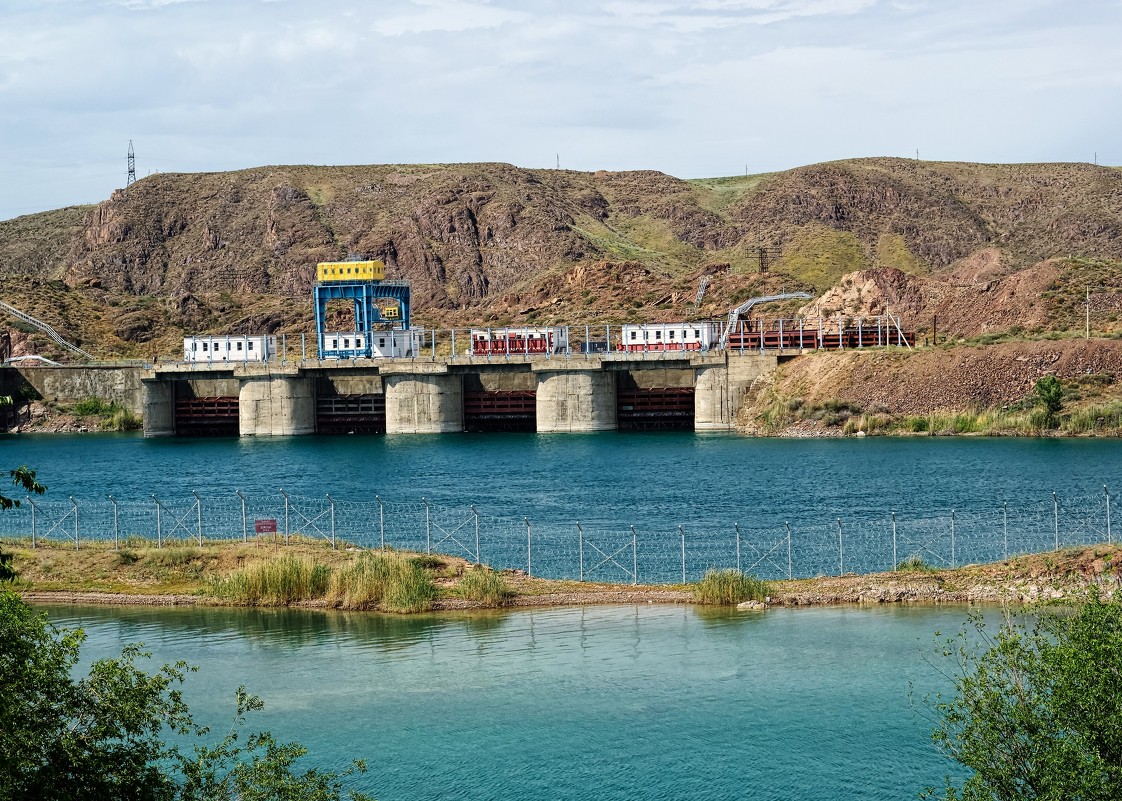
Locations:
(975, 250)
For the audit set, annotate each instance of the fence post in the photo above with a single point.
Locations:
(529, 531)
(895, 559)
(331, 501)
(285, 494)
(580, 549)
(199, 516)
(116, 526)
(789, 571)
(159, 524)
(1109, 537)
(1056, 519)
(33, 510)
(737, 526)
(841, 550)
(952, 540)
(245, 526)
(475, 514)
(428, 527)
(1005, 527)
(382, 518)
(682, 534)
(634, 558)
(75, 523)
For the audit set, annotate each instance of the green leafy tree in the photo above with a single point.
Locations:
(104, 737)
(1037, 713)
(24, 478)
(1050, 394)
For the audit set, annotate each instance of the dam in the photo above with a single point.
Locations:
(678, 390)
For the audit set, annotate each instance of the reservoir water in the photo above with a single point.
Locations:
(663, 505)
(613, 703)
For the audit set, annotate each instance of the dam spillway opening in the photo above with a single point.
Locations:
(206, 417)
(655, 409)
(500, 411)
(351, 414)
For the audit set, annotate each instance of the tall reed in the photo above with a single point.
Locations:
(484, 586)
(727, 587)
(276, 582)
(387, 581)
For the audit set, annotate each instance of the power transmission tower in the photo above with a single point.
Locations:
(132, 168)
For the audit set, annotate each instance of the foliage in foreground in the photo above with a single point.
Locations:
(1037, 713)
(102, 737)
(727, 587)
(24, 478)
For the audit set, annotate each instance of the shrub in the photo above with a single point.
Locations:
(483, 585)
(914, 564)
(1049, 394)
(127, 557)
(728, 587)
(91, 407)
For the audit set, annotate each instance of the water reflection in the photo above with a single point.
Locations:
(608, 702)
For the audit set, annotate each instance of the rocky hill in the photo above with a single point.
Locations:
(971, 250)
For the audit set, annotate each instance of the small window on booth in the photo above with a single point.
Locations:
(239, 346)
(249, 346)
(634, 335)
(204, 345)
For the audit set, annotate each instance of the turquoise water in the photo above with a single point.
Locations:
(646, 702)
(773, 507)
(607, 477)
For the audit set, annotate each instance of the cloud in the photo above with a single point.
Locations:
(692, 88)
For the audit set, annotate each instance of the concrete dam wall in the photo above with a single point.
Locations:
(696, 391)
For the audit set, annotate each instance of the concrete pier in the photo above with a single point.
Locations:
(573, 400)
(721, 387)
(276, 406)
(159, 409)
(423, 403)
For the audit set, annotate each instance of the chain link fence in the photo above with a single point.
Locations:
(860, 541)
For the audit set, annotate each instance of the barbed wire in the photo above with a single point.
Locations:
(858, 541)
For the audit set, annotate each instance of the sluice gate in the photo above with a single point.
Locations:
(351, 414)
(509, 410)
(206, 417)
(655, 409)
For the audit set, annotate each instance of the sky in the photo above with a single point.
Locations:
(694, 89)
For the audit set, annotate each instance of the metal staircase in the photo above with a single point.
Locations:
(46, 329)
